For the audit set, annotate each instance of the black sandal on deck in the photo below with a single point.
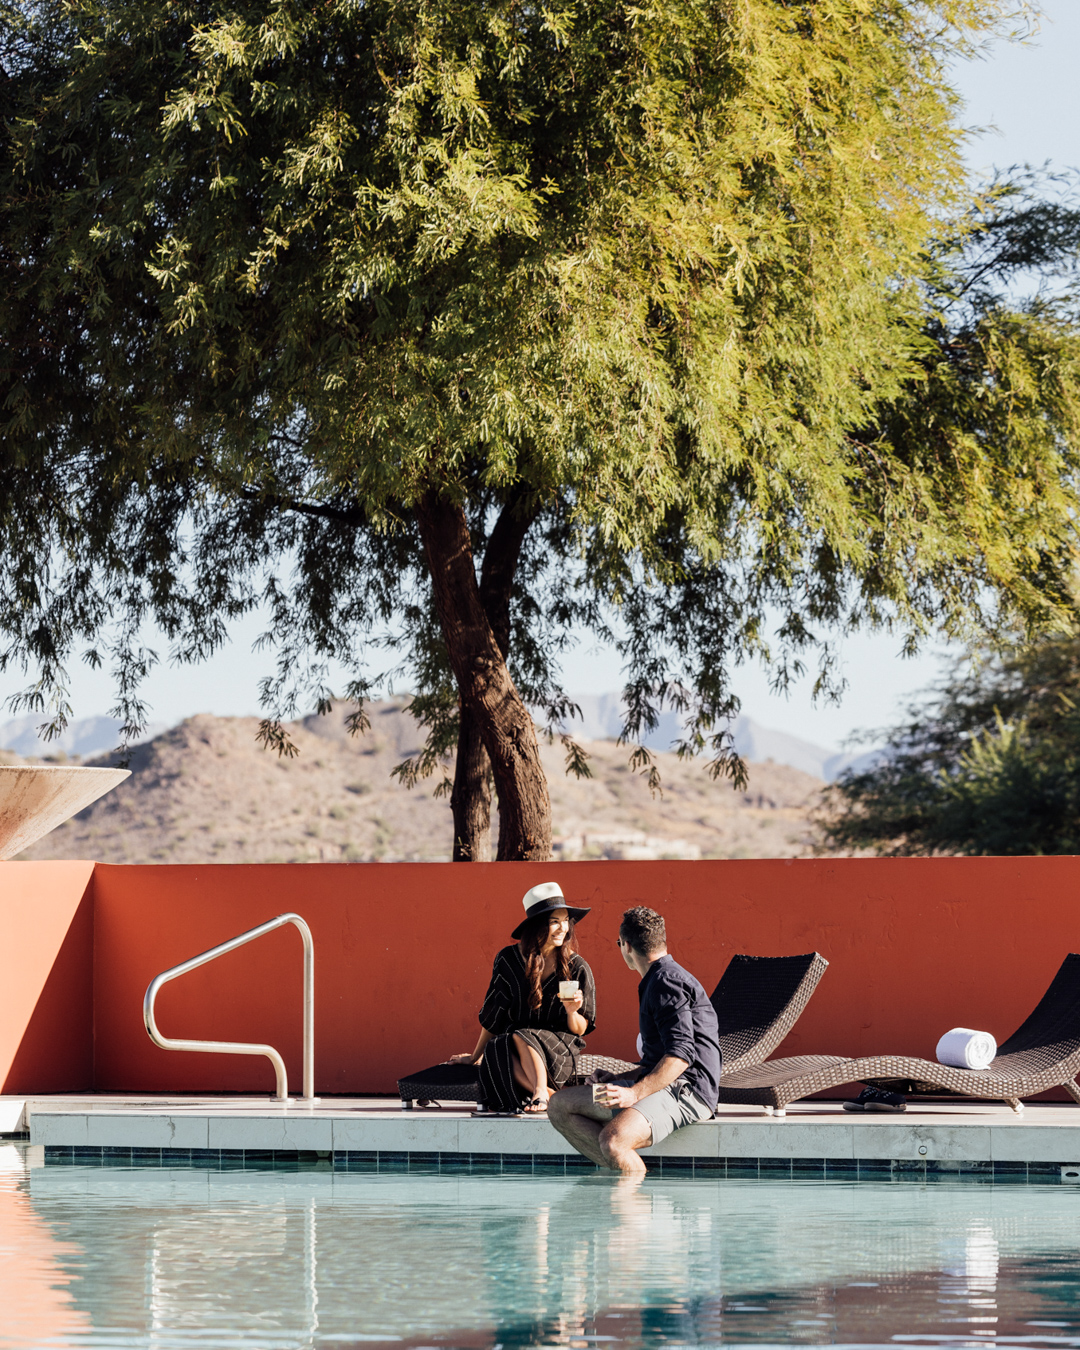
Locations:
(877, 1099)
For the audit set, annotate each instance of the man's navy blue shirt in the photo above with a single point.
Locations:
(677, 1019)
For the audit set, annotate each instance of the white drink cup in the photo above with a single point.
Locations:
(568, 988)
(599, 1094)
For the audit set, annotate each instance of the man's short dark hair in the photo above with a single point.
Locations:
(643, 929)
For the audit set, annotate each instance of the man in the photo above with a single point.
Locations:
(677, 1081)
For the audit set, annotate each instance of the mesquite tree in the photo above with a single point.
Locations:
(455, 329)
(989, 765)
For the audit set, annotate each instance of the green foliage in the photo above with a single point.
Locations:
(991, 767)
(675, 282)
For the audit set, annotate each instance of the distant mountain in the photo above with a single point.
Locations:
(602, 720)
(760, 744)
(88, 736)
(207, 792)
(91, 736)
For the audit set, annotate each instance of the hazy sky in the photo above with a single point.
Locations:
(1027, 98)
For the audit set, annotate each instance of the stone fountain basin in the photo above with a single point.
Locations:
(35, 798)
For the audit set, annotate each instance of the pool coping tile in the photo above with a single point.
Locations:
(920, 1170)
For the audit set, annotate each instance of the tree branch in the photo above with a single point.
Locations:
(500, 563)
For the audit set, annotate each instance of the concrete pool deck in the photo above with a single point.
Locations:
(814, 1137)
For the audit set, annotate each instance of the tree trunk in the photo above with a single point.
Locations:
(489, 699)
(470, 799)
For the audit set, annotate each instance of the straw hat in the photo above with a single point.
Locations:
(543, 899)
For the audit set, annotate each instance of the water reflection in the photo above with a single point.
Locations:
(35, 1302)
(969, 1282)
(102, 1258)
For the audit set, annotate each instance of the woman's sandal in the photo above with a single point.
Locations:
(536, 1107)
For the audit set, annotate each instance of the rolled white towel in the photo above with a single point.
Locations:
(963, 1048)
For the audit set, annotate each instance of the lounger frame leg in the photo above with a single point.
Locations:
(1073, 1091)
(1016, 1104)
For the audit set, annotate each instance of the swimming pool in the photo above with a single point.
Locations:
(101, 1257)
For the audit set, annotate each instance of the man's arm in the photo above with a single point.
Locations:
(659, 1078)
(675, 1024)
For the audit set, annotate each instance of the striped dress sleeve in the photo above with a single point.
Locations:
(584, 976)
(497, 1013)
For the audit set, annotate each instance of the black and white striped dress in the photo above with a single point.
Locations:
(506, 1010)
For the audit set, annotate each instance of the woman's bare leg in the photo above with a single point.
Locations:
(530, 1070)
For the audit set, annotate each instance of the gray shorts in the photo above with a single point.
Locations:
(669, 1109)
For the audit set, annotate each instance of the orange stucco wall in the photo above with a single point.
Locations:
(403, 953)
(46, 991)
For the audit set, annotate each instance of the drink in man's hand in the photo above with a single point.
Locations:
(568, 988)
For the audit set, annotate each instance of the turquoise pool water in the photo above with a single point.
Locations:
(102, 1258)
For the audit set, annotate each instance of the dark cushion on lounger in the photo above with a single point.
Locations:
(442, 1082)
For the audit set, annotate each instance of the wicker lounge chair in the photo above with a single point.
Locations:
(1043, 1053)
(758, 1000)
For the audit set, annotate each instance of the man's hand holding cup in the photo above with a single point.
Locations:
(613, 1095)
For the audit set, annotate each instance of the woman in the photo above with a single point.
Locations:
(529, 1035)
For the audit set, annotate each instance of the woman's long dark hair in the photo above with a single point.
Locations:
(531, 943)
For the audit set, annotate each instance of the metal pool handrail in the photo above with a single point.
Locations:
(241, 1047)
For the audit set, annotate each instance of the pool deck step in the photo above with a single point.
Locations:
(967, 1136)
